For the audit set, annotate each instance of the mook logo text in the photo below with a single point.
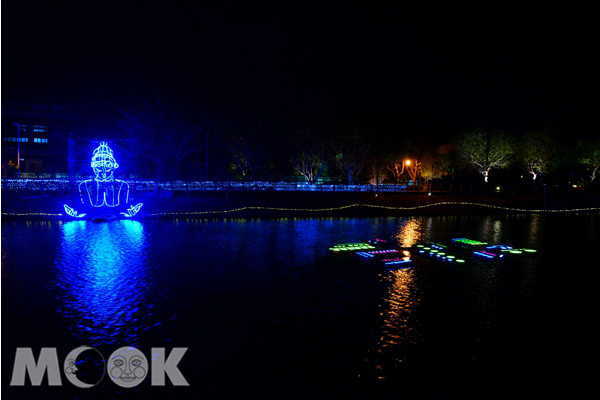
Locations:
(126, 367)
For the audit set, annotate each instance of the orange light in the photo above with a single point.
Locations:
(407, 162)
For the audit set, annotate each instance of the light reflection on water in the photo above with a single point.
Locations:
(104, 279)
(411, 231)
(257, 293)
(399, 331)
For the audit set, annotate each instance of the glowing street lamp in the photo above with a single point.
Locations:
(407, 162)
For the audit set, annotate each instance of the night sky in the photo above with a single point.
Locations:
(511, 65)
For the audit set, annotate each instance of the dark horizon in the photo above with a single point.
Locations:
(434, 66)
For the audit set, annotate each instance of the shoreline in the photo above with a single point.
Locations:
(313, 205)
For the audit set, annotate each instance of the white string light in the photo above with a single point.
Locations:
(343, 208)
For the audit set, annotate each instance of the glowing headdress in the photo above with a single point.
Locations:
(103, 157)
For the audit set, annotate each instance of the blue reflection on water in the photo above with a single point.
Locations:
(103, 272)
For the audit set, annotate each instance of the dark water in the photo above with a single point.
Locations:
(266, 313)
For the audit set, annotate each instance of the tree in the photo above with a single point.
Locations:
(396, 168)
(9, 169)
(248, 145)
(408, 159)
(590, 158)
(401, 165)
(434, 165)
(536, 150)
(310, 150)
(162, 135)
(350, 150)
(484, 150)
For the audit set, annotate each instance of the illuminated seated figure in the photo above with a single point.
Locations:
(104, 190)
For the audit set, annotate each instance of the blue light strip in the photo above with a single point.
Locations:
(398, 262)
(482, 254)
(499, 246)
(51, 184)
(364, 254)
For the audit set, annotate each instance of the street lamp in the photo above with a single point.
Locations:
(18, 148)
(407, 162)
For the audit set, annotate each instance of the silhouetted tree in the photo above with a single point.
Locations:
(350, 149)
(162, 135)
(9, 169)
(310, 149)
(407, 158)
(434, 164)
(247, 144)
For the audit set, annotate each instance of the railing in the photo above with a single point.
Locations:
(61, 185)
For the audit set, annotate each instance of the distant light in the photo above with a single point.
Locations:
(497, 187)
(407, 162)
(574, 186)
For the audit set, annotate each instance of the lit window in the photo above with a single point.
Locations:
(39, 128)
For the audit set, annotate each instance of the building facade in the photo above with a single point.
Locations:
(37, 134)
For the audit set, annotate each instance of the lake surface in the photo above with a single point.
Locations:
(265, 312)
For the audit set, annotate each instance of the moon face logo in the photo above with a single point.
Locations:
(70, 367)
(128, 367)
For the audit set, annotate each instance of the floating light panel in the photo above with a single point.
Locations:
(524, 251)
(436, 251)
(468, 242)
(393, 259)
(365, 255)
(499, 247)
(383, 251)
(485, 254)
(346, 247)
(399, 262)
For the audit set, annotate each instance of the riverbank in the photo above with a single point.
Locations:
(310, 204)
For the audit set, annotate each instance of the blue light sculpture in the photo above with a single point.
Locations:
(104, 190)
